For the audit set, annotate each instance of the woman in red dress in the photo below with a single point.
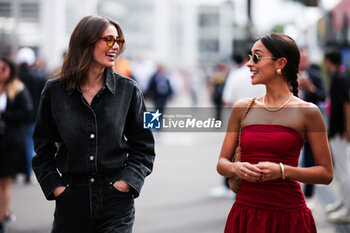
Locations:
(273, 133)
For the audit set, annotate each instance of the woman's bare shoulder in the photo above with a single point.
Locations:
(242, 103)
(239, 108)
(306, 107)
(313, 119)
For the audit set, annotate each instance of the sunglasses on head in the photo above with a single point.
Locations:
(256, 58)
(110, 41)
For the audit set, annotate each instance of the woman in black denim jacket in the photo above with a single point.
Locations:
(92, 152)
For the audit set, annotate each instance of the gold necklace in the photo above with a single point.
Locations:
(279, 108)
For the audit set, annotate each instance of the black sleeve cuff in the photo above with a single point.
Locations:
(49, 184)
(134, 179)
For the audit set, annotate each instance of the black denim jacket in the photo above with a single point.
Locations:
(106, 137)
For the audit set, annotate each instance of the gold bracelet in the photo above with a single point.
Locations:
(282, 169)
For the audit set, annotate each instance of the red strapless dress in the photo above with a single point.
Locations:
(271, 206)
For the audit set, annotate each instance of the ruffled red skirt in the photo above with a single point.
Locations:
(245, 219)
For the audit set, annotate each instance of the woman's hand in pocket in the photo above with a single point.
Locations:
(122, 186)
(59, 190)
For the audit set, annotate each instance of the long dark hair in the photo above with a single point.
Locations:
(281, 45)
(79, 56)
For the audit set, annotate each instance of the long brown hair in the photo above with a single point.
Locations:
(281, 45)
(79, 56)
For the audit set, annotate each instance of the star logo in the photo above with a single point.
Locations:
(156, 115)
(151, 120)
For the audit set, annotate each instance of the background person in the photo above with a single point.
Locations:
(160, 89)
(35, 83)
(218, 79)
(339, 134)
(269, 198)
(15, 110)
(312, 90)
(89, 129)
(142, 68)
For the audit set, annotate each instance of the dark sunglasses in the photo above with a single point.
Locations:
(256, 58)
(110, 41)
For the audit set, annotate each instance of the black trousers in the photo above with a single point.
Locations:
(91, 204)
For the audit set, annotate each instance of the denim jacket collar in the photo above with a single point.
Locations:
(109, 82)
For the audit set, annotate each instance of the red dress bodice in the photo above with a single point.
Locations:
(277, 144)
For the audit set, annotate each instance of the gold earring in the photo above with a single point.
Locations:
(279, 71)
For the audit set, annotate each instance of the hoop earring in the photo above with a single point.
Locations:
(279, 71)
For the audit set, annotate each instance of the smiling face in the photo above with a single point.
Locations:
(264, 65)
(103, 54)
(265, 69)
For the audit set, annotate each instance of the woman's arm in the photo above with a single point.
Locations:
(225, 166)
(45, 136)
(139, 163)
(322, 172)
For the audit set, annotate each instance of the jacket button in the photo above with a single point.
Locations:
(92, 136)
(92, 180)
(91, 157)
